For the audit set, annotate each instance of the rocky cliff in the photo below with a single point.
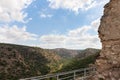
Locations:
(108, 64)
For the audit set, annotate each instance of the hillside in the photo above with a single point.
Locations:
(69, 53)
(17, 61)
(66, 53)
(22, 61)
(87, 52)
(81, 62)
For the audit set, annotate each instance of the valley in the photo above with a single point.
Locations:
(18, 61)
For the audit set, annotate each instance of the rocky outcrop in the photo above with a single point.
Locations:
(108, 64)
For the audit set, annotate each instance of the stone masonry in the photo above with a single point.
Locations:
(108, 64)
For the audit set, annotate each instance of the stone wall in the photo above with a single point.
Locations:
(108, 64)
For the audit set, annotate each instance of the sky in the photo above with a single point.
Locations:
(71, 24)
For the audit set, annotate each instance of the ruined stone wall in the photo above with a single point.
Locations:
(108, 64)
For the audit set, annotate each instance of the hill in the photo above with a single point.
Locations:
(69, 53)
(87, 52)
(88, 57)
(66, 53)
(18, 61)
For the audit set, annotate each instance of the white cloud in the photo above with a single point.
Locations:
(14, 34)
(75, 5)
(95, 24)
(13, 10)
(79, 31)
(74, 39)
(42, 15)
(53, 38)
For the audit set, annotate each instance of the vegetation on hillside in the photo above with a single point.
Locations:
(66, 53)
(22, 61)
(77, 63)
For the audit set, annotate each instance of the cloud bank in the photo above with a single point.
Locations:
(73, 39)
(75, 5)
(13, 10)
(14, 34)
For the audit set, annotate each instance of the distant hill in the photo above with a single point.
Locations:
(69, 53)
(82, 60)
(87, 52)
(18, 61)
(66, 53)
(76, 59)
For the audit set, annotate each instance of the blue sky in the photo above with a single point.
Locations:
(71, 24)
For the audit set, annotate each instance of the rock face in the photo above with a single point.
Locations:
(108, 64)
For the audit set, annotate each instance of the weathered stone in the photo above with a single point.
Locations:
(108, 64)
